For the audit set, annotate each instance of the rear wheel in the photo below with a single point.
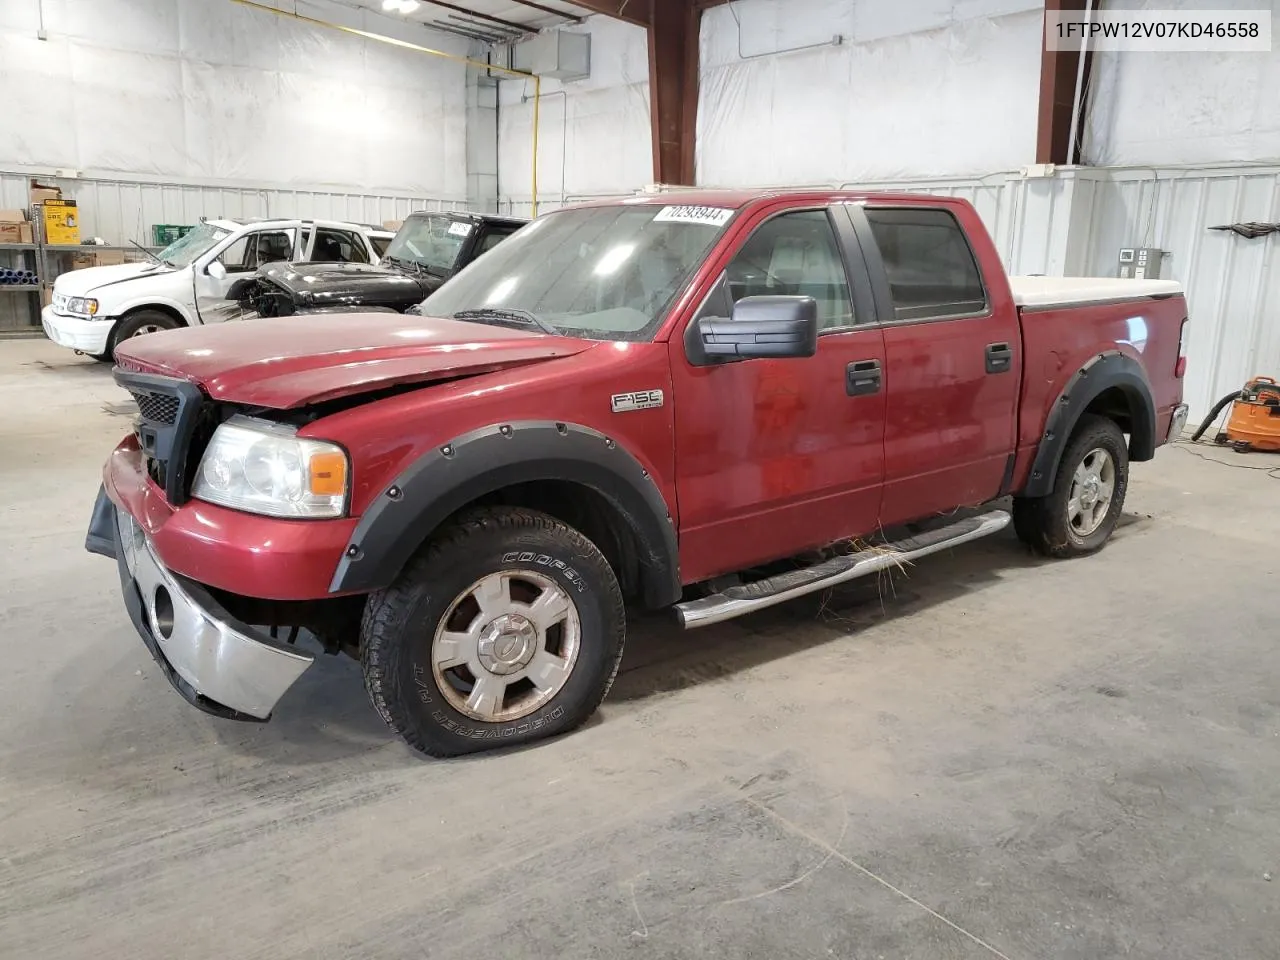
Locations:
(1081, 513)
(506, 628)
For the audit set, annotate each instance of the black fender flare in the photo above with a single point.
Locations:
(1103, 372)
(446, 479)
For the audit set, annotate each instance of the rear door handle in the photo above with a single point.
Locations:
(862, 377)
(999, 358)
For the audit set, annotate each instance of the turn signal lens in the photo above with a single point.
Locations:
(328, 474)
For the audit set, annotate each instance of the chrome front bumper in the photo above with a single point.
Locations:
(218, 664)
(1177, 423)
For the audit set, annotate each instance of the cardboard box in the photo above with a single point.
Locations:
(103, 258)
(40, 192)
(392, 225)
(46, 296)
(61, 222)
(14, 227)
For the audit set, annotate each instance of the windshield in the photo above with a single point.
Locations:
(605, 273)
(432, 242)
(182, 251)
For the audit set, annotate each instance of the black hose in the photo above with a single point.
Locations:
(1213, 414)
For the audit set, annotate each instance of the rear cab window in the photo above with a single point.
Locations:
(931, 269)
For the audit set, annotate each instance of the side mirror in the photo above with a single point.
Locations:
(216, 270)
(762, 327)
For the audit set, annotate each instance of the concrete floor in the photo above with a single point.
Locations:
(999, 757)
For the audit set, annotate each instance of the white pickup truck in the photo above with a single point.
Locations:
(186, 284)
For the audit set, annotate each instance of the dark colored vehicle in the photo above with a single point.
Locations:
(427, 250)
(705, 401)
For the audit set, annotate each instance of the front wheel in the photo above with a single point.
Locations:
(1081, 513)
(506, 628)
(137, 324)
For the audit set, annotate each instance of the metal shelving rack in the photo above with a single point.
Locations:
(29, 253)
(46, 261)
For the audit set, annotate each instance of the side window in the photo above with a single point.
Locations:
(380, 244)
(273, 247)
(795, 254)
(492, 238)
(932, 271)
(337, 246)
(238, 258)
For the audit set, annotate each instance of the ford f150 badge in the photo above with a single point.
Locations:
(636, 400)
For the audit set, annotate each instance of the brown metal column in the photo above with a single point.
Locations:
(1058, 70)
(673, 88)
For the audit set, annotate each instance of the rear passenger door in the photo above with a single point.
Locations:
(953, 363)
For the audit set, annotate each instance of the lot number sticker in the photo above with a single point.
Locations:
(459, 229)
(711, 216)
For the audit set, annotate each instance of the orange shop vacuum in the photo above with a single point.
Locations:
(1254, 423)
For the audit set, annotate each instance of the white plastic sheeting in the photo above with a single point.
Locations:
(593, 134)
(913, 89)
(208, 89)
(1180, 108)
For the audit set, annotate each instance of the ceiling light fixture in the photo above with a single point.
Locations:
(400, 6)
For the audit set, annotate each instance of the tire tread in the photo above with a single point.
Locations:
(381, 653)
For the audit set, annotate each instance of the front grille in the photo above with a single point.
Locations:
(170, 427)
(157, 407)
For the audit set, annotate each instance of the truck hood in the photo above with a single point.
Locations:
(77, 283)
(287, 362)
(344, 284)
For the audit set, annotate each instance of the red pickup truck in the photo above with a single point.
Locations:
(711, 401)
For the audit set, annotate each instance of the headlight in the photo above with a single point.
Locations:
(264, 467)
(85, 306)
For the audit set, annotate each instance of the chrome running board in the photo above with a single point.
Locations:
(750, 597)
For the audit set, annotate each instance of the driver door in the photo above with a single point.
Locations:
(777, 456)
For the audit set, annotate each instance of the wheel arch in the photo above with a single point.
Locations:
(574, 473)
(167, 309)
(1112, 385)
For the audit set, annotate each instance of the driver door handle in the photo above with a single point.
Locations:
(862, 377)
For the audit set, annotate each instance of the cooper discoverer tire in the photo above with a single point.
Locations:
(1081, 513)
(507, 627)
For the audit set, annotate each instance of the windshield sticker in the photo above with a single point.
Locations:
(711, 216)
(458, 229)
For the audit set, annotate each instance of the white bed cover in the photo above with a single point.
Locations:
(1065, 291)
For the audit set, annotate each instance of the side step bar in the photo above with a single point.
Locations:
(750, 597)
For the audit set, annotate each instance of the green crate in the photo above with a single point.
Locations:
(163, 234)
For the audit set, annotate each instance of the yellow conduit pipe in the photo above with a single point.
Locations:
(494, 68)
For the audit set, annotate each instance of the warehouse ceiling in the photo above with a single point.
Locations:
(484, 20)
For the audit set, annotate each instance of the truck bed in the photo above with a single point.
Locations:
(1044, 292)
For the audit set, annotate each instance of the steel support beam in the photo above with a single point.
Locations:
(673, 88)
(1059, 77)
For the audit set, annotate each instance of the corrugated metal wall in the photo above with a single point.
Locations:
(1233, 290)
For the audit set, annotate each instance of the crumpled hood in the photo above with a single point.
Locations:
(285, 362)
(77, 283)
(334, 284)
